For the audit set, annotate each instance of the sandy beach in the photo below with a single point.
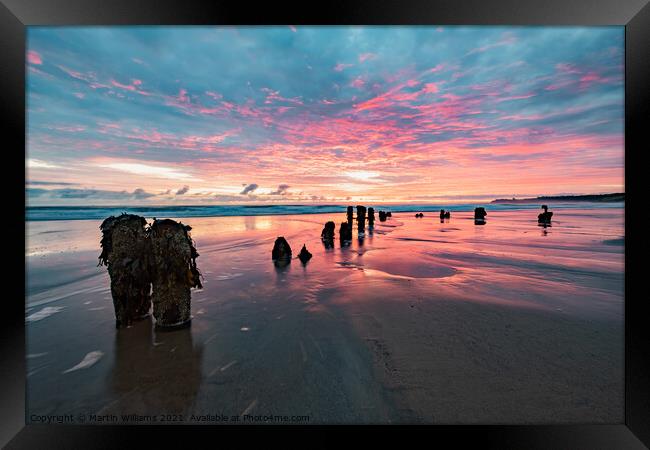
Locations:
(419, 322)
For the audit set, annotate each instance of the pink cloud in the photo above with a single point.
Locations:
(591, 78)
(34, 58)
(366, 56)
(572, 76)
(456, 75)
(77, 75)
(430, 88)
(274, 96)
(68, 128)
(133, 87)
(182, 96)
(127, 87)
(567, 68)
(358, 83)
(340, 67)
(506, 39)
(435, 69)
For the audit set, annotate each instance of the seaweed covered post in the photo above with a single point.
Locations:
(382, 216)
(174, 272)
(281, 253)
(126, 253)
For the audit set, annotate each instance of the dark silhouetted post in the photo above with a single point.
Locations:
(382, 216)
(304, 254)
(545, 217)
(479, 216)
(125, 251)
(281, 253)
(361, 219)
(328, 231)
(174, 272)
(350, 214)
(371, 217)
(345, 233)
(327, 235)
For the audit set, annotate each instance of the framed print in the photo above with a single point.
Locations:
(387, 215)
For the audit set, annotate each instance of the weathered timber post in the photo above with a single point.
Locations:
(174, 272)
(126, 253)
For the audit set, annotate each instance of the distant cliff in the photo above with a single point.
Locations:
(617, 197)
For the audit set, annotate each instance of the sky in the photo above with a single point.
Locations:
(296, 114)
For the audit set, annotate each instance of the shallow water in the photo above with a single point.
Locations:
(378, 331)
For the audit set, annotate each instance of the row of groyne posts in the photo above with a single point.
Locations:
(282, 253)
(155, 265)
(543, 219)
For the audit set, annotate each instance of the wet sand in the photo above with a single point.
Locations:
(419, 322)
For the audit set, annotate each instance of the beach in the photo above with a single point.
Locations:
(418, 322)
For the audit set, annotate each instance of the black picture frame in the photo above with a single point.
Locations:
(15, 15)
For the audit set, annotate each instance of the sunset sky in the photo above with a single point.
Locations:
(293, 114)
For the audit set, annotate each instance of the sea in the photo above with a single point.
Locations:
(44, 213)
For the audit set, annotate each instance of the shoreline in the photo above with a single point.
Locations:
(49, 213)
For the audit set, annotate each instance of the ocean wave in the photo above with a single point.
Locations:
(43, 213)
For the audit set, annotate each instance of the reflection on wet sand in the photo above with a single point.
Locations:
(153, 371)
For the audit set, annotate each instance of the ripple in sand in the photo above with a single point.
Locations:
(349, 265)
(423, 240)
(89, 360)
(228, 276)
(391, 225)
(419, 267)
(44, 313)
(227, 366)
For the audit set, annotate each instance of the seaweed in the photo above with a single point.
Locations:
(174, 271)
(126, 253)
